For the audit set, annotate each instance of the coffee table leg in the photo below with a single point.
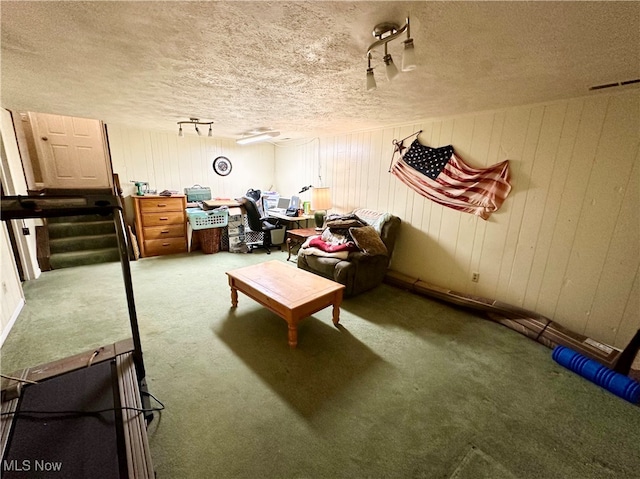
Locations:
(337, 301)
(336, 314)
(234, 297)
(293, 334)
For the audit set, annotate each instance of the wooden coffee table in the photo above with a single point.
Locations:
(289, 292)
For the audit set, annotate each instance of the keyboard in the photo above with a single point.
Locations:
(279, 211)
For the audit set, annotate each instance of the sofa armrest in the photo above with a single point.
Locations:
(361, 272)
(345, 273)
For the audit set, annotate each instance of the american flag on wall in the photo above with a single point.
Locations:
(438, 174)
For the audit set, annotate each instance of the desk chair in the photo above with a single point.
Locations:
(259, 223)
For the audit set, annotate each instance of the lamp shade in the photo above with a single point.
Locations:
(371, 80)
(321, 198)
(408, 56)
(390, 67)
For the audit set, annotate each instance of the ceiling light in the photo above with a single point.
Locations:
(371, 80)
(390, 68)
(408, 56)
(386, 32)
(195, 122)
(262, 136)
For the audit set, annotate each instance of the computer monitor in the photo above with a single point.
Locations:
(283, 202)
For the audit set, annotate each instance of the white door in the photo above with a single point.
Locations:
(72, 152)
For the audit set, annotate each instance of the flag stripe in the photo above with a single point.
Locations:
(480, 191)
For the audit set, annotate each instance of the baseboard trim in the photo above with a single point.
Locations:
(14, 317)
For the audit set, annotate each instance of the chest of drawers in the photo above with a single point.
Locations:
(161, 224)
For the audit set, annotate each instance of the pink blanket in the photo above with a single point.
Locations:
(330, 248)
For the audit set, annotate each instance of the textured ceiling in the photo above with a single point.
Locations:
(299, 67)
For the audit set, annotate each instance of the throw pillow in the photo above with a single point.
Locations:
(368, 241)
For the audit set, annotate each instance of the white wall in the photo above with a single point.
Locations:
(11, 295)
(169, 162)
(14, 183)
(566, 242)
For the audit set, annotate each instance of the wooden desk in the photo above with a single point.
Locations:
(299, 236)
(291, 219)
(218, 202)
(289, 292)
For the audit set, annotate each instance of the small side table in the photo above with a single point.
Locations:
(299, 236)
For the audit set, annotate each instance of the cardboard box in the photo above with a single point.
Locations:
(235, 217)
(235, 230)
(234, 241)
(237, 244)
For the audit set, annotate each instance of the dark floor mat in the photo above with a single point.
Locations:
(70, 446)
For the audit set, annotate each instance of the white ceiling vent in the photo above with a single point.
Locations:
(615, 84)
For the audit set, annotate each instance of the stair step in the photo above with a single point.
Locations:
(82, 243)
(80, 219)
(79, 258)
(72, 191)
(87, 228)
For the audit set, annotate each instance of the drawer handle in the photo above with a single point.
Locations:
(166, 244)
(164, 218)
(161, 205)
(164, 231)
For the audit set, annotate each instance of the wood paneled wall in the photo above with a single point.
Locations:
(566, 242)
(168, 162)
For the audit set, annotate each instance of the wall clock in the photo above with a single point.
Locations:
(222, 165)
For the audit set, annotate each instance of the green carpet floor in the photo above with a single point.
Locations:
(407, 387)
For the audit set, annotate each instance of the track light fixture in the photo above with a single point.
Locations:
(386, 32)
(195, 122)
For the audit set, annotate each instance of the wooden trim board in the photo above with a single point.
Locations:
(529, 323)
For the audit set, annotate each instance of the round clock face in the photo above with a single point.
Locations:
(222, 165)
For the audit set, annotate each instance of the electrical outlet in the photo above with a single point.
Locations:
(475, 277)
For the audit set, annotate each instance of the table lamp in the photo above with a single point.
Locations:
(320, 203)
